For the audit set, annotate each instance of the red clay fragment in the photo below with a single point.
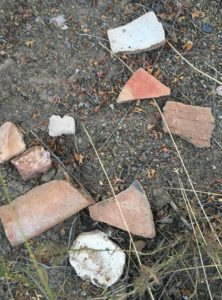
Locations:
(33, 162)
(40, 209)
(142, 85)
(192, 123)
(135, 207)
(11, 142)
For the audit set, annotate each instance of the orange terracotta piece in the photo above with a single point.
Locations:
(142, 85)
(194, 124)
(11, 142)
(135, 207)
(33, 162)
(40, 209)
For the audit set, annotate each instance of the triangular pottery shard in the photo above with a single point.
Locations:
(192, 123)
(135, 208)
(142, 85)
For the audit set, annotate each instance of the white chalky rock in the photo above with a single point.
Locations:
(143, 34)
(96, 258)
(59, 126)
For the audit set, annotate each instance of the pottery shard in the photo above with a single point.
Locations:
(40, 209)
(11, 142)
(143, 34)
(135, 208)
(192, 123)
(33, 162)
(142, 85)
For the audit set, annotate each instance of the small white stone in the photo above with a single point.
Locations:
(96, 258)
(59, 21)
(59, 126)
(219, 90)
(143, 34)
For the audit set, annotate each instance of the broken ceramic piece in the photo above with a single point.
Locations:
(143, 34)
(11, 142)
(59, 126)
(142, 85)
(96, 258)
(135, 208)
(33, 162)
(40, 209)
(192, 123)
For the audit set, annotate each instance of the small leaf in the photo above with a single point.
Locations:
(30, 43)
(188, 45)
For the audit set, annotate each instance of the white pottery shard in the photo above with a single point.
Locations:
(96, 258)
(143, 34)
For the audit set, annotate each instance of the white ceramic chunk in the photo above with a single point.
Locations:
(96, 258)
(59, 126)
(143, 34)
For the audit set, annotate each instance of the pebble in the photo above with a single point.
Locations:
(96, 258)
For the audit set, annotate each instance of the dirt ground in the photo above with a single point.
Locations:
(45, 70)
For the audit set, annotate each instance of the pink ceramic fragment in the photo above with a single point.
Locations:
(194, 124)
(40, 209)
(142, 85)
(33, 162)
(11, 142)
(135, 207)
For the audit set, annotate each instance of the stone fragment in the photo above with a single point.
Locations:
(140, 245)
(143, 34)
(11, 142)
(48, 176)
(96, 258)
(59, 126)
(142, 85)
(135, 208)
(219, 90)
(161, 197)
(40, 209)
(192, 123)
(33, 162)
(59, 21)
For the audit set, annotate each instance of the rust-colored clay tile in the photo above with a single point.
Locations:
(40, 209)
(192, 123)
(142, 85)
(135, 207)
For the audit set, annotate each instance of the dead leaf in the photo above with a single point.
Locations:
(188, 45)
(150, 126)
(179, 77)
(138, 110)
(151, 173)
(79, 158)
(181, 19)
(197, 14)
(86, 30)
(156, 73)
(30, 43)
(117, 180)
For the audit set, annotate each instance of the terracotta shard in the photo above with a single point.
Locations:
(40, 209)
(11, 142)
(135, 207)
(33, 162)
(192, 123)
(142, 85)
